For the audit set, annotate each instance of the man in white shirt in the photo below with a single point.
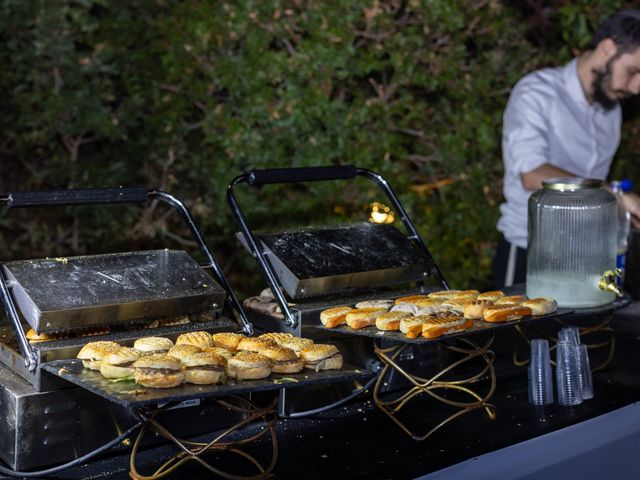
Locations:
(565, 122)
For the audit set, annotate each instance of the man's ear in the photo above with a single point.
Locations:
(607, 49)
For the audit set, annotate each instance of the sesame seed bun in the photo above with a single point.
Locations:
(93, 353)
(227, 340)
(249, 366)
(199, 339)
(119, 364)
(153, 345)
(158, 371)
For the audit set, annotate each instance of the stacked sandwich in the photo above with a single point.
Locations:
(437, 313)
(205, 359)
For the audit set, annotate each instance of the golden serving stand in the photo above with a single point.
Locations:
(441, 383)
(193, 451)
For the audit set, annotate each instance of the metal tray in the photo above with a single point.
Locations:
(79, 292)
(131, 394)
(478, 326)
(11, 356)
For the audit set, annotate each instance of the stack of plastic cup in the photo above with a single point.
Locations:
(540, 378)
(567, 376)
(585, 378)
(569, 334)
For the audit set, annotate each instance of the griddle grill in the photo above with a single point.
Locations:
(328, 266)
(120, 292)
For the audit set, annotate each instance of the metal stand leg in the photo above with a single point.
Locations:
(193, 450)
(601, 329)
(431, 386)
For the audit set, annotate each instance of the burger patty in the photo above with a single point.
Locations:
(321, 360)
(287, 362)
(156, 371)
(123, 365)
(213, 368)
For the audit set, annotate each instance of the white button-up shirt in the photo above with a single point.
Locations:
(548, 120)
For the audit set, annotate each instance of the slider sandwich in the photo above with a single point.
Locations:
(375, 304)
(504, 313)
(333, 317)
(34, 337)
(275, 336)
(363, 317)
(203, 368)
(255, 344)
(249, 366)
(444, 323)
(119, 364)
(153, 345)
(178, 350)
(492, 295)
(284, 359)
(199, 339)
(93, 353)
(227, 340)
(541, 306)
(297, 344)
(223, 352)
(390, 320)
(322, 357)
(410, 299)
(476, 308)
(158, 371)
(511, 300)
(411, 308)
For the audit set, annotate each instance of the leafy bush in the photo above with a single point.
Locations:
(184, 95)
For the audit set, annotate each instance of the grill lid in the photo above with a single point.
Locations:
(325, 260)
(79, 292)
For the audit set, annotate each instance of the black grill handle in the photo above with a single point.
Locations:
(92, 196)
(302, 174)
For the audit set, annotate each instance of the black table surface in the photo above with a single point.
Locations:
(359, 441)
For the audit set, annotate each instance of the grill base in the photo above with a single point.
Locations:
(46, 428)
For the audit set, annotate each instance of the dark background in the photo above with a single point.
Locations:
(185, 95)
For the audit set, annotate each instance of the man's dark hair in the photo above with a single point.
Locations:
(623, 28)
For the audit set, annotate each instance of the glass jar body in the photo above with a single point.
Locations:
(572, 242)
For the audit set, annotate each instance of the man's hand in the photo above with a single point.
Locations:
(632, 204)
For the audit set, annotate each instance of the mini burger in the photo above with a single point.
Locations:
(178, 351)
(322, 357)
(153, 345)
(34, 337)
(199, 339)
(223, 352)
(204, 368)
(284, 359)
(250, 344)
(119, 364)
(227, 340)
(158, 371)
(249, 366)
(297, 344)
(93, 353)
(275, 336)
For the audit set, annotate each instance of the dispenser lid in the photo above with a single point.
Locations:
(571, 183)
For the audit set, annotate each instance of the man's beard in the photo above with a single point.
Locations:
(602, 79)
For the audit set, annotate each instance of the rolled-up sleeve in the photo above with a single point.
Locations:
(525, 135)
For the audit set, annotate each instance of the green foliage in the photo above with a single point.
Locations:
(185, 95)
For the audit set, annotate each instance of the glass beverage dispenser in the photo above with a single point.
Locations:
(571, 253)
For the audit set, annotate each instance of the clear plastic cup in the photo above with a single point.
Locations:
(569, 334)
(585, 378)
(540, 376)
(567, 377)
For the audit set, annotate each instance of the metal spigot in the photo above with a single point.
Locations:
(608, 281)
